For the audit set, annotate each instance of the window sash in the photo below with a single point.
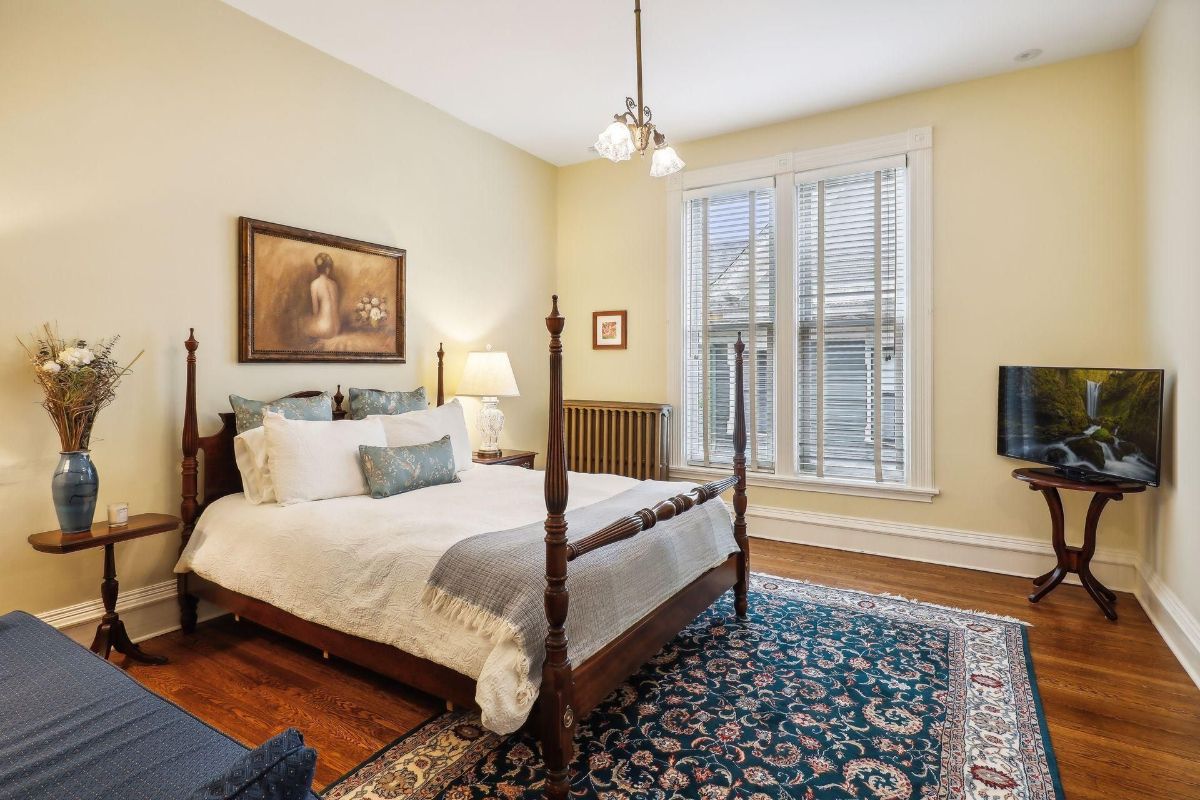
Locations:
(851, 382)
(730, 270)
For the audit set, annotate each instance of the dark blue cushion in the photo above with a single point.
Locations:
(74, 727)
(280, 769)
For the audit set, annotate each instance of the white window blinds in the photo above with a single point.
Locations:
(850, 279)
(729, 275)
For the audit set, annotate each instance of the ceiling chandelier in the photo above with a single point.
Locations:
(632, 129)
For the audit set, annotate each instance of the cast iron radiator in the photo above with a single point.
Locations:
(631, 439)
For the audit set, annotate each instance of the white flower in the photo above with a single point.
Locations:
(374, 301)
(75, 357)
(376, 314)
(50, 366)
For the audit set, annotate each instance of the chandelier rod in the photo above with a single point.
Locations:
(637, 26)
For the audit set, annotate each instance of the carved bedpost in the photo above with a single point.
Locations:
(338, 398)
(741, 589)
(188, 505)
(557, 716)
(441, 395)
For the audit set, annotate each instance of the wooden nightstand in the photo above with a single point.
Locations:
(515, 458)
(111, 634)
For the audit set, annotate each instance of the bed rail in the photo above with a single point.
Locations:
(647, 518)
(556, 701)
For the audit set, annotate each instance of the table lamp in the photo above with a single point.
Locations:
(489, 376)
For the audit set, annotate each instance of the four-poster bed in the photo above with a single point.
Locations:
(567, 691)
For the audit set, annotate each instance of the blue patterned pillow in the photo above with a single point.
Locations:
(395, 470)
(248, 414)
(364, 402)
(280, 769)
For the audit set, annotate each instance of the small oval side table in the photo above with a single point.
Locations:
(111, 634)
(1075, 560)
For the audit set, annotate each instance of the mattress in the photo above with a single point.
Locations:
(359, 565)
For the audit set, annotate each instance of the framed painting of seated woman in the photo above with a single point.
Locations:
(308, 296)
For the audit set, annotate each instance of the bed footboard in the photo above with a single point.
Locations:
(558, 705)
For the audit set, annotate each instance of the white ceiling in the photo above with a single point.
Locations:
(547, 75)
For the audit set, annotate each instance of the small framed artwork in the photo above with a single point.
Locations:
(308, 296)
(609, 330)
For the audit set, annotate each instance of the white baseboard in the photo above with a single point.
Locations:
(152, 610)
(1175, 623)
(147, 612)
(990, 552)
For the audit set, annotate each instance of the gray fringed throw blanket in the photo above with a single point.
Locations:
(493, 582)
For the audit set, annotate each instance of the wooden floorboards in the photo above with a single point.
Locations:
(1124, 717)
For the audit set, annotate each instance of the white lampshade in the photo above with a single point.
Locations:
(665, 162)
(488, 373)
(615, 142)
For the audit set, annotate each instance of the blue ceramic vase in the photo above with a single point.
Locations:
(74, 487)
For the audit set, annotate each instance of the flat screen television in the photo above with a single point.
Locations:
(1090, 424)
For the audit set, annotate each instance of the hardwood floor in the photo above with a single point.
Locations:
(1124, 717)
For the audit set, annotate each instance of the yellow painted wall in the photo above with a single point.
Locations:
(132, 136)
(1168, 62)
(1035, 261)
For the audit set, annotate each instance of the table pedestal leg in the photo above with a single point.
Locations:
(1055, 577)
(1100, 593)
(1076, 560)
(111, 634)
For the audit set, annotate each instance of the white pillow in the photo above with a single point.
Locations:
(250, 453)
(422, 427)
(318, 460)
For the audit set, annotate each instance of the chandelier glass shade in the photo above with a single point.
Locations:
(632, 131)
(615, 142)
(665, 162)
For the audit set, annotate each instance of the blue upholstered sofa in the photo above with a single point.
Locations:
(74, 727)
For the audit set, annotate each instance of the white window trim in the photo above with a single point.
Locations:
(886, 491)
(916, 145)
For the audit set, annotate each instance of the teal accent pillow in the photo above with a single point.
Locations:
(365, 402)
(395, 470)
(248, 414)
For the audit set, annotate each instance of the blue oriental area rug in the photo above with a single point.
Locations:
(821, 694)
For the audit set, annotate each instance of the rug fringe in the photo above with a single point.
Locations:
(902, 598)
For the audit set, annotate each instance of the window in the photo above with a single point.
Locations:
(850, 265)
(730, 289)
(820, 260)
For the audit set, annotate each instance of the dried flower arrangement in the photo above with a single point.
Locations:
(78, 380)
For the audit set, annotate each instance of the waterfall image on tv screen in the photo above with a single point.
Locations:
(1102, 421)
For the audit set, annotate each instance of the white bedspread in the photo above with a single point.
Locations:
(359, 565)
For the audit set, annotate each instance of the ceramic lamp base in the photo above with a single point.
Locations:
(490, 423)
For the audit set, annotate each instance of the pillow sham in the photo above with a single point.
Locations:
(250, 453)
(395, 470)
(365, 402)
(419, 427)
(281, 768)
(248, 414)
(317, 460)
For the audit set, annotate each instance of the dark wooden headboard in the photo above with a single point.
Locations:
(221, 475)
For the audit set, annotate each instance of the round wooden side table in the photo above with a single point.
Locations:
(1075, 560)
